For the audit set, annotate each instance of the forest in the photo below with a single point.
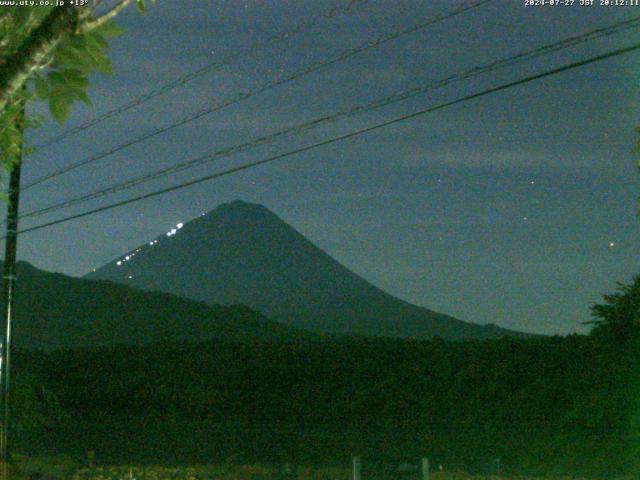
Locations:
(543, 405)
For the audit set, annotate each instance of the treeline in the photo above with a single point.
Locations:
(544, 405)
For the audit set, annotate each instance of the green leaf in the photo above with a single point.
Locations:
(83, 97)
(78, 41)
(42, 87)
(142, 8)
(100, 61)
(62, 78)
(75, 79)
(95, 40)
(56, 78)
(66, 55)
(108, 29)
(59, 107)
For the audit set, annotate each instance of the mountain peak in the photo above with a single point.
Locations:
(239, 210)
(241, 206)
(242, 253)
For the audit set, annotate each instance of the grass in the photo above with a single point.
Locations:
(261, 472)
(207, 472)
(63, 468)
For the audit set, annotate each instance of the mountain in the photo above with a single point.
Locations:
(57, 311)
(242, 253)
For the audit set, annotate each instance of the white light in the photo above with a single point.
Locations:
(130, 276)
(119, 262)
(180, 225)
(168, 234)
(150, 243)
(173, 231)
(612, 244)
(127, 257)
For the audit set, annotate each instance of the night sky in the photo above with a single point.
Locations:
(516, 208)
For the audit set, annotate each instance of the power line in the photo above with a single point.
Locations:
(388, 100)
(343, 55)
(178, 82)
(340, 138)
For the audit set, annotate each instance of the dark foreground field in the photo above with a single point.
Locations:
(545, 406)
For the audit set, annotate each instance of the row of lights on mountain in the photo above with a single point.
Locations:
(173, 231)
(128, 257)
(170, 233)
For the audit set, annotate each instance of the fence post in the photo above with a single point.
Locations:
(357, 468)
(425, 468)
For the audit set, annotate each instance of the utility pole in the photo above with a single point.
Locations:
(8, 286)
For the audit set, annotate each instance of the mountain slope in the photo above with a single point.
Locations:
(243, 253)
(57, 311)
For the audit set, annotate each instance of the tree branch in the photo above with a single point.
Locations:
(96, 22)
(34, 50)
